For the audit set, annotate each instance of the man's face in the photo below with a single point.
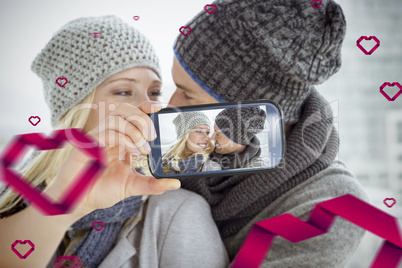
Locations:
(223, 145)
(188, 92)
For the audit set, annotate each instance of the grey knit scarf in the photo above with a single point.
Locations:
(190, 164)
(94, 247)
(311, 147)
(238, 160)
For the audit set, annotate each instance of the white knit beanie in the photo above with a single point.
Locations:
(86, 61)
(185, 121)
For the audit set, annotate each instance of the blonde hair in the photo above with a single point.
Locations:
(177, 152)
(42, 170)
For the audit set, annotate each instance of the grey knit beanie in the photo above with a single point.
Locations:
(86, 61)
(185, 121)
(241, 124)
(259, 49)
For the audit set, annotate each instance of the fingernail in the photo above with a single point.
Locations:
(151, 133)
(147, 147)
(171, 189)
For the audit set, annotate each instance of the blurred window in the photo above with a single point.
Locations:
(399, 132)
(363, 177)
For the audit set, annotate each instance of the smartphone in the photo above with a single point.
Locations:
(217, 139)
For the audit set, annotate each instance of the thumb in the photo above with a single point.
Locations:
(147, 185)
(163, 185)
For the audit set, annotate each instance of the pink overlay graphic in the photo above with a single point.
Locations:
(259, 240)
(316, 3)
(390, 85)
(75, 262)
(389, 202)
(16, 242)
(95, 223)
(61, 81)
(96, 35)
(185, 30)
(136, 17)
(18, 146)
(368, 39)
(34, 119)
(210, 8)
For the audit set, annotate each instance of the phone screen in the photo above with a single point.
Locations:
(217, 139)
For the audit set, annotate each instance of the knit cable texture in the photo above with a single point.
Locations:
(86, 61)
(257, 49)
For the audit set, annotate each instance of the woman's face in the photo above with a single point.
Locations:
(135, 86)
(198, 139)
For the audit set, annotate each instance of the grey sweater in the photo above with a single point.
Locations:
(332, 249)
(176, 231)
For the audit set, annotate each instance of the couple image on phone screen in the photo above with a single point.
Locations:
(233, 143)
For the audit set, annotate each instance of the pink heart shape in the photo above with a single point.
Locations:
(22, 242)
(136, 17)
(96, 35)
(367, 39)
(185, 33)
(15, 150)
(32, 119)
(209, 10)
(58, 262)
(61, 79)
(98, 222)
(391, 85)
(316, 6)
(386, 202)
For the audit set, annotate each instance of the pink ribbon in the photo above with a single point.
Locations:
(259, 240)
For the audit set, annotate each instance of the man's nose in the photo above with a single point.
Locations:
(213, 137)
(174, 100)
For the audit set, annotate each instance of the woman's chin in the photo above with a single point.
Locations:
(197, 150)
(201, 149)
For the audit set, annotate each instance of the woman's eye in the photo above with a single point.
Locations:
(208, 133)
(197, 131)
(156, 93)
